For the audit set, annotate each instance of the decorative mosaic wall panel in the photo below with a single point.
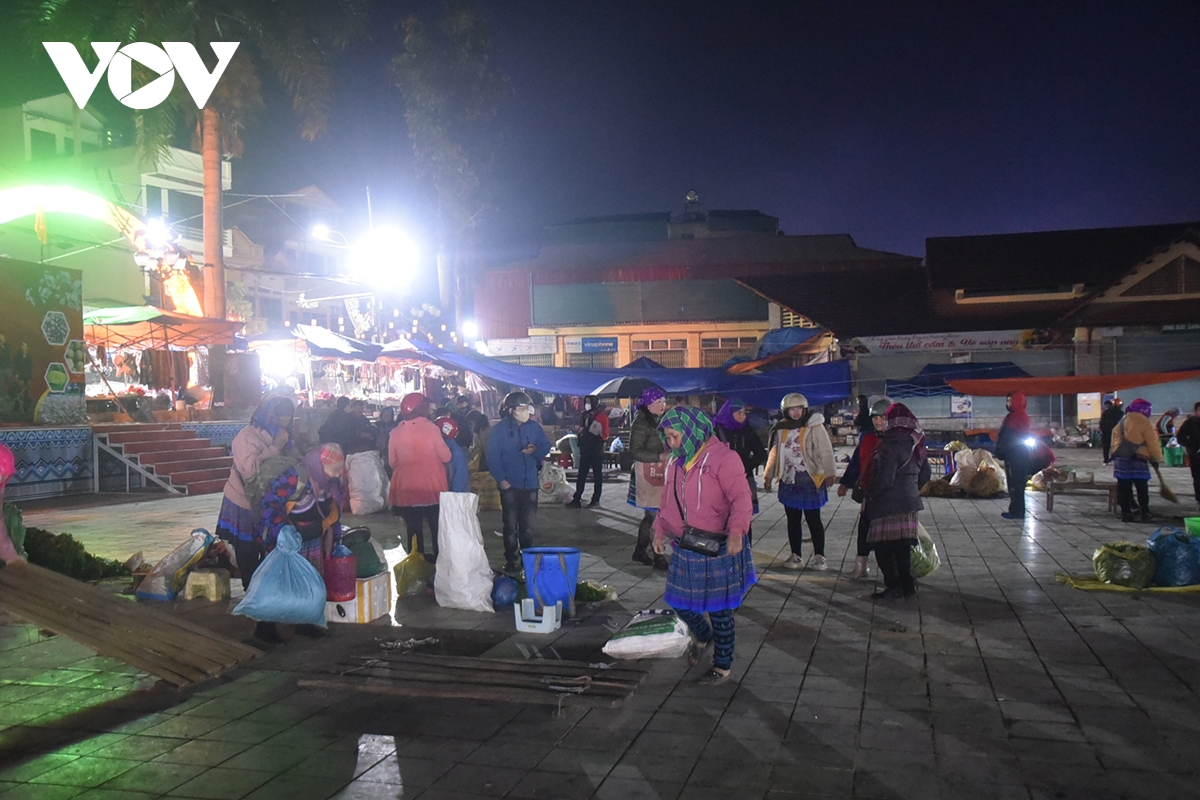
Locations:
(51, 462)
(221, 433)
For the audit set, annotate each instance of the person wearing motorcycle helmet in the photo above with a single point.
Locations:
(801, 459)
(418, 455)
(456, 467)
(858, 476)
(515, 450)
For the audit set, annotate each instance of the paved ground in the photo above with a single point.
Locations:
(996, 682)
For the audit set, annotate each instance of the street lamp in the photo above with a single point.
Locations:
(469, 329)
(157, 252)
(384, 258)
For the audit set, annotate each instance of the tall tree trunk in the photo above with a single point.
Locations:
(214, 251)
(214, 245)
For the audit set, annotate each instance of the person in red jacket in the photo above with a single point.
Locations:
(418, 455)
(593, 433)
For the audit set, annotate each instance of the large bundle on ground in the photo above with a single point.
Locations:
(1176, 557)
(463, 578)
(368, 482)
(484, 485)
(1124, 564)
(553, 486)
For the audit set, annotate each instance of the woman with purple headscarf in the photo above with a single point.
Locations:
(1135, 446)
(649, 470)
(742, 439)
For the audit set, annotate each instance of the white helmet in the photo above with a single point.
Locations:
(793, 400)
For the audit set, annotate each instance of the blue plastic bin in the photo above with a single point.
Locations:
(550, 575)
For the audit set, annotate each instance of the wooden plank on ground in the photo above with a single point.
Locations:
(152, 640)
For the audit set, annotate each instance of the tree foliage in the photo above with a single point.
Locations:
(452, 95)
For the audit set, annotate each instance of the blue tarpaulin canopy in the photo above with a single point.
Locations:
(821, 383)
(934, 379)
(780, 340)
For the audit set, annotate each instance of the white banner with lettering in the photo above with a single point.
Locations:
(954, 342)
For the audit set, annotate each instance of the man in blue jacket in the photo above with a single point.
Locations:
(515, 451)
(456, 468)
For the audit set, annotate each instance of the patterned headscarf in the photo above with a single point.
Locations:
(1141, 406)
(323, 485)
(725, 416)
(900, 418)
(650, 395)
(8, 465)
(696, 427)
(267, 416)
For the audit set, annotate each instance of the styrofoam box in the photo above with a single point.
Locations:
(372, 600)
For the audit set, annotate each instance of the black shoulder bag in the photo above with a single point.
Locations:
(706, 543)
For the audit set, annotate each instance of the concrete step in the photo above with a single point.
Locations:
(202, 452)
(130, 437)
(176, 445)
(173, 468)
(123, 427)
(200, 476)
(206, 487)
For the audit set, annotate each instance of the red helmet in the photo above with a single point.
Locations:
(411, 403)
(448, 427)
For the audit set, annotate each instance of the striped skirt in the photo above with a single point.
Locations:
(709, 583)
(1131, 469)
(893, 528)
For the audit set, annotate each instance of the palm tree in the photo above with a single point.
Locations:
(294, 39)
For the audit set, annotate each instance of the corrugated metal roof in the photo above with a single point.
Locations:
(642, 302)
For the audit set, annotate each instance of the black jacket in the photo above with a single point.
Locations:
(1109, 419)
(745, 442)
(896, 477)
(1188, 435)
(644, 445)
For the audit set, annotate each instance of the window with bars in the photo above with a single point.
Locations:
(592, 360)
(715, 351)
(535, 360)
(790, 319)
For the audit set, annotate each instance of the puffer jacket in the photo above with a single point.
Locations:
(644, 445)
(896, 477)
(818, 452)
(249, 449)
(1137, 428)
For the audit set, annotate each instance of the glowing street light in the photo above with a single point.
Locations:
(469, 329)
(384, 258)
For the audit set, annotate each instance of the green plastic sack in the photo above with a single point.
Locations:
(594, 592)
(1124, 564)
(413, 574)
(15, 525)
(360, 543)
(925, 559)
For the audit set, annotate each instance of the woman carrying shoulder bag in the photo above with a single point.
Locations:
(899, 468)
(706, 511)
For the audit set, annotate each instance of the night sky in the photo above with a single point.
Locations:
(889, 121)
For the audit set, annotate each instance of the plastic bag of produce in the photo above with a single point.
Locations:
(464, 579)
(168, 576)
(553, 486)
(484, 485)
(368, 482)
(1176, 557)
(413, 573)
(1124, 564)
(594, 592)
(285, 587)
(653, 633)
(925, 559)
(371, 560)
(505, 591)
(16, 527)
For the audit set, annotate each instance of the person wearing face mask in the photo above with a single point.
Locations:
(857, 479)
(593, 432)
(802, 461)
(649, 471)
(515, 449)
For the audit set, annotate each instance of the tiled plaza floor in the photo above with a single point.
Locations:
(996, 682)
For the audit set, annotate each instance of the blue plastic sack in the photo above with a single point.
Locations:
(1177, 557)
(285, 587)
(504, 591)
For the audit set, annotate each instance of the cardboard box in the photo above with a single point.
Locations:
(372, 600)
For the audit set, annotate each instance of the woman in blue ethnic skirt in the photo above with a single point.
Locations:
(802, 460)
(705, 490)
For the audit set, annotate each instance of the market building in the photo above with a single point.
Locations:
(604, 291)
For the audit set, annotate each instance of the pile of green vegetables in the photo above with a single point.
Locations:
(61, 552)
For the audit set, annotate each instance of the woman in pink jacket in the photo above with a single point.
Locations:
(8, 468)
(705, 489)
(418, 456)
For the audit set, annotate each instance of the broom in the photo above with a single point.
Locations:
(1163, 489)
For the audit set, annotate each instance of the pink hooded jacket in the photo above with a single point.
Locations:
(714, 493)
(8, 468)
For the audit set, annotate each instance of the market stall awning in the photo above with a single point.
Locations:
(934, 379)
(821, 383)
(324, 343)
(147, 326)
(1069, 384)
